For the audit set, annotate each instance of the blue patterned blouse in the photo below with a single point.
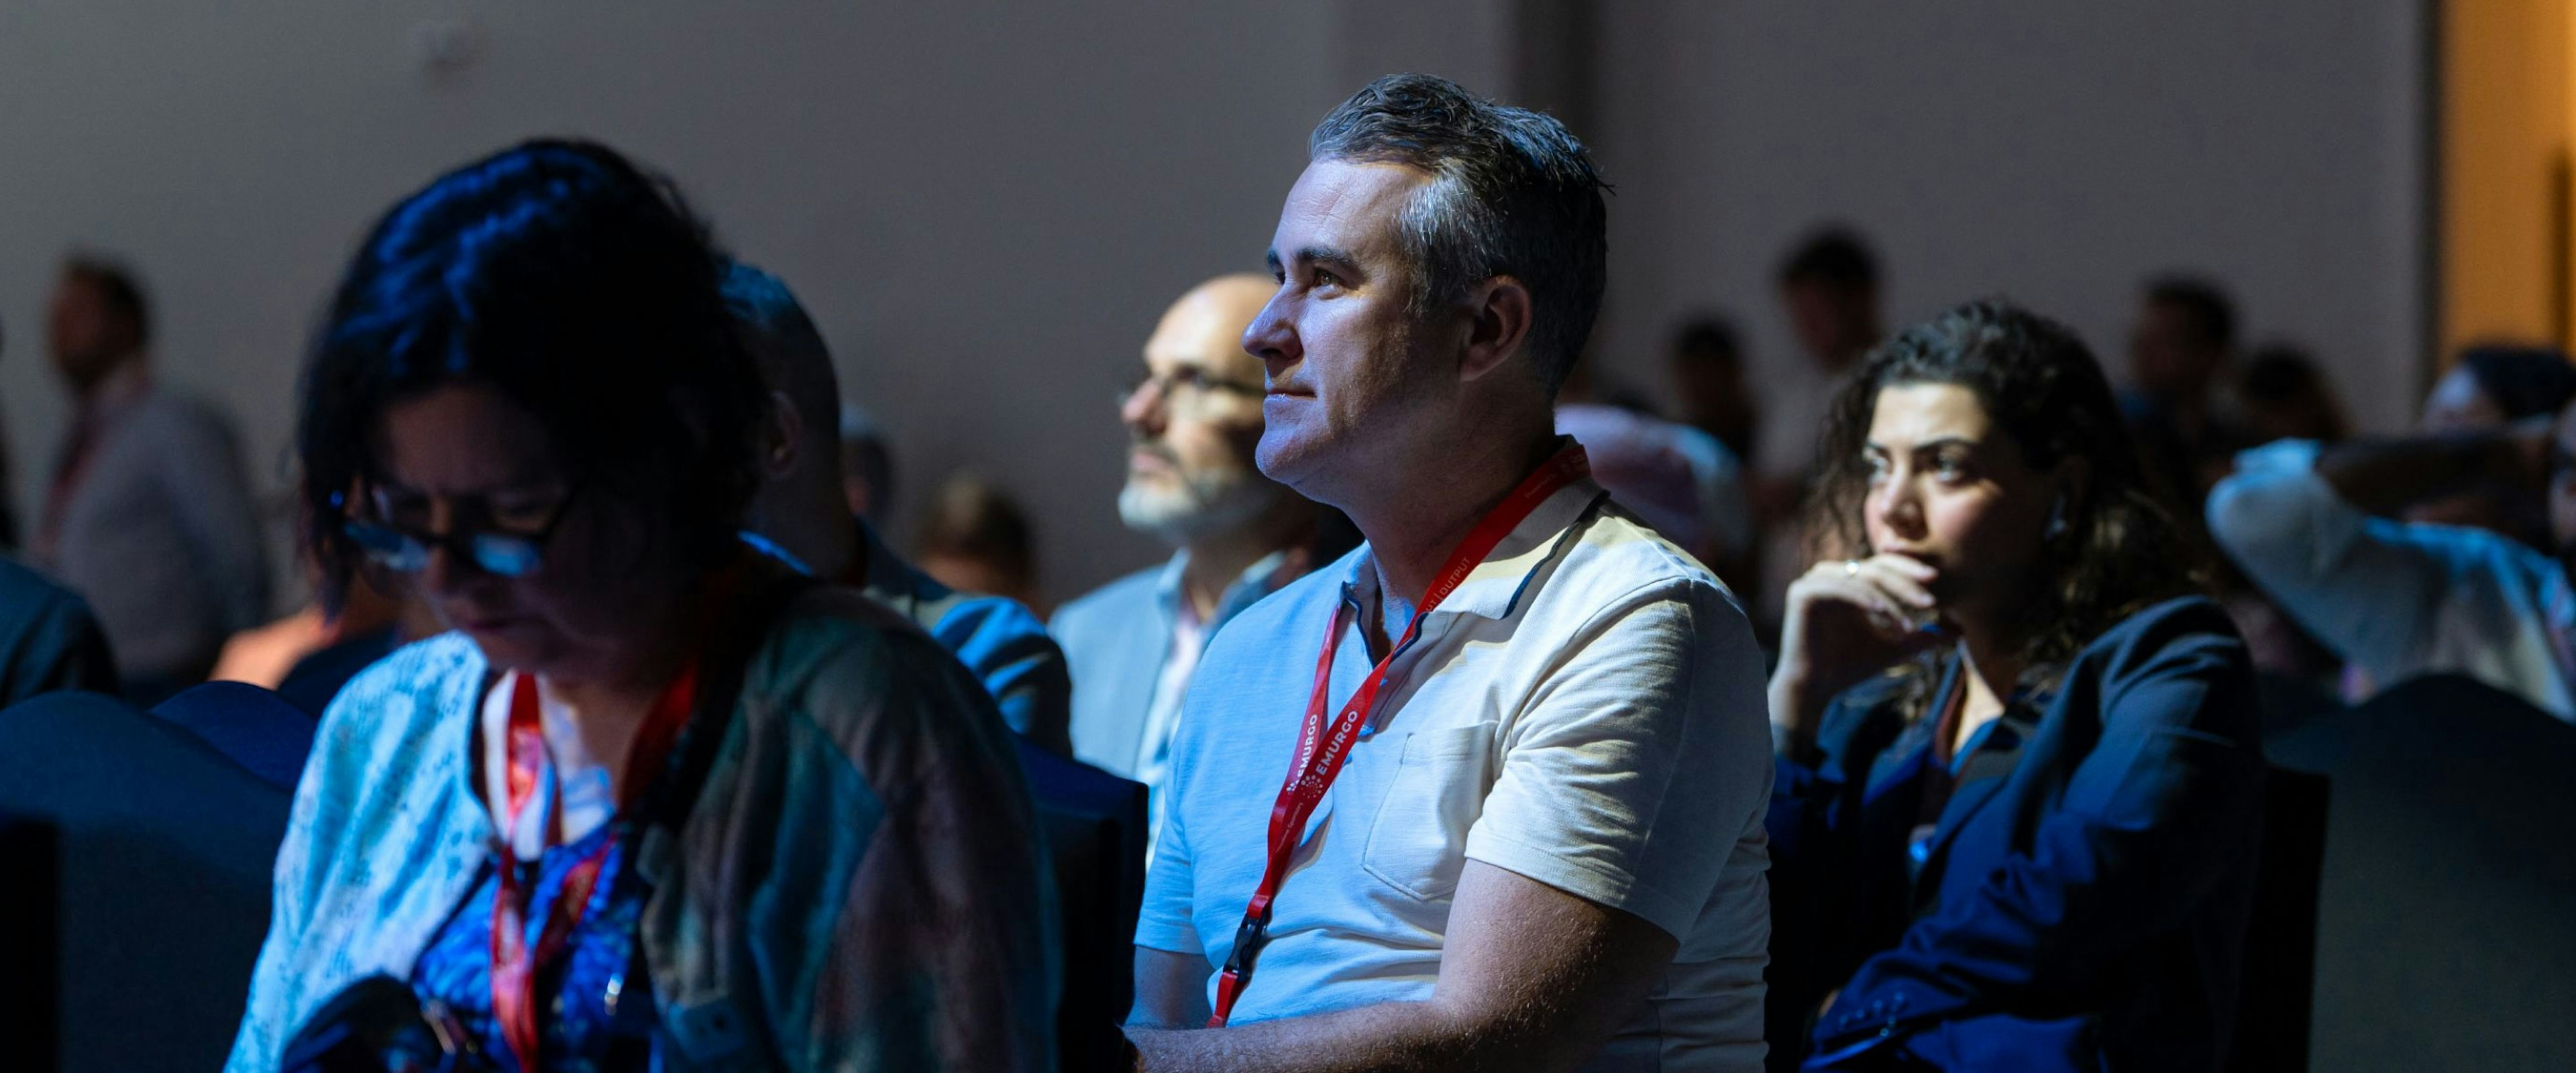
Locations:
(594, 1014)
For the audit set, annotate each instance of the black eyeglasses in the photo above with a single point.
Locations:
(1189, 389)
(494, 551)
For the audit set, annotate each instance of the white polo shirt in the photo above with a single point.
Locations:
(1586, 710)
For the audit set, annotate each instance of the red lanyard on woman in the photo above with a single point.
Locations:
(1321, 749)
(514, 966)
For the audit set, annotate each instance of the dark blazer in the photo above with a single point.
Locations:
(2081, 902)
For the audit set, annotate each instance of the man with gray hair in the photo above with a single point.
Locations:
(1487, 792)
(1193, 417)
(802, 514)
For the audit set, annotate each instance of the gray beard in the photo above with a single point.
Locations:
(1205, 503)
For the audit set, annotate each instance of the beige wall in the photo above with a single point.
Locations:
(2053, 152)
(987, 205)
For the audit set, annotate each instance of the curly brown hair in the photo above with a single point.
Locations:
(2120, 550)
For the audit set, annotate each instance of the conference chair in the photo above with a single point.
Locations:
(1095, 830)
(30, 912)
(2445, 933)
(165, 848)
(253, 727)
(2276, 988)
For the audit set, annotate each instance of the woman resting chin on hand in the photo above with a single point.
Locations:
(2019, 790)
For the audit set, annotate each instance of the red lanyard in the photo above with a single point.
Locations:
(514, 969)
(1321, 749)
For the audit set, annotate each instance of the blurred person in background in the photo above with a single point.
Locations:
(976, 539)
(2019, 790)
(658, 801)
(49, 640)
(1705, 360)
(1678, 479)
(9, 534)
(867, 466)
(2287, 396)
(2180, 353)
(1829, 287)
(149, 513)
(2436, 553)
(1193, 418)
(803, 514)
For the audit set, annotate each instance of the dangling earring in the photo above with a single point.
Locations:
(2057, 517)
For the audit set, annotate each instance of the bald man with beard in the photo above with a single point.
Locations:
(1194, 418)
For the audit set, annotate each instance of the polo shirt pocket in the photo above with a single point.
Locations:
(1417, 841)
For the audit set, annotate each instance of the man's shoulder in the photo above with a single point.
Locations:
(1108, 607)
(1617, 556)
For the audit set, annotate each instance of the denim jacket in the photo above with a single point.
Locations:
(859, 884)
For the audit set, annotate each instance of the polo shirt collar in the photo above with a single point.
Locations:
(1493, 589)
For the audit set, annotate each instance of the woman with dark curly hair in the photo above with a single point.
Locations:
(652, 802)
(2015, 819)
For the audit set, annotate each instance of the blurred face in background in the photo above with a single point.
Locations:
(2458, 403)
(1194, 418)
(85, 339)
(2170, 356)
(1834, 324)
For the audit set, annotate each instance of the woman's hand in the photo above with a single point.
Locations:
(1847, 620)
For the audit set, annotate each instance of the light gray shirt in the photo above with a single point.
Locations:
(2400, 599)
(161, 535)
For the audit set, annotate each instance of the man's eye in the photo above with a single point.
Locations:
(1327, 279)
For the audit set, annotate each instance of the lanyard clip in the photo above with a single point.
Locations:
(1249, 937)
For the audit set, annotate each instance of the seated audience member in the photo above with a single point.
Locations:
(265, 655)
(2019, 789)
(802, 512)
(149, 515)
(1192, 419)
(48, 641)
(1706, 361)
(867, 466)
(2180, 353)
(2287, 397)
(1678, 479)
(976, 538)
(1829, 288)
(2318, 527)
(1530, 837)
(2491, 387)
(9, 535)
(609, 822)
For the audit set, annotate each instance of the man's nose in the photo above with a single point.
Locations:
(1272, 336)
(1145, 408)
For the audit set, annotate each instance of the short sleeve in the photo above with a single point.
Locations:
(1637, 765)
(1165, 921)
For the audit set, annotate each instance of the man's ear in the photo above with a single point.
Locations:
(1498, 325)
(779, 435)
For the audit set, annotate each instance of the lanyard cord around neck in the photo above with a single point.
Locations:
(1321, 749)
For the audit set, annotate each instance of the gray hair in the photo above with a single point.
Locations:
(1512, 194)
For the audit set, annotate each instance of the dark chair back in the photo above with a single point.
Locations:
(166, 848)
(2447, 913)
(2274, 1001)
(253, 727)
(1095, 829)
(30, 913)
